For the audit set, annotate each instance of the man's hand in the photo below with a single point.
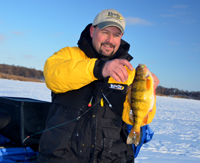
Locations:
(115, 69)
(156, 80)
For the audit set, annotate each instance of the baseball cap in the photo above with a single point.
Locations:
(109, 17)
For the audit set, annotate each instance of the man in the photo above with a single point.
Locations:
(89, 85)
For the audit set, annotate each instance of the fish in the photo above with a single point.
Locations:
(141, 96)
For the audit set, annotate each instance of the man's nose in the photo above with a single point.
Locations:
(110, 38)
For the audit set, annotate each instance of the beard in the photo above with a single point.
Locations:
(106, 54)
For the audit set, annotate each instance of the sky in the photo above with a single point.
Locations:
(163, 34)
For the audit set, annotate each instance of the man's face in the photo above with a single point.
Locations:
(106, 41)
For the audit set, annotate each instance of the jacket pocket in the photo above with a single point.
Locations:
(59, 128)
(63, 117)
(111, 132)
(113, 147)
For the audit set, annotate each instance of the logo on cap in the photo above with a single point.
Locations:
(114, 15)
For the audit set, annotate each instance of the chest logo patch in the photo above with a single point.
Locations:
(117, 87)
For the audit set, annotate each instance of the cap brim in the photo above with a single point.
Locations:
(108, 23)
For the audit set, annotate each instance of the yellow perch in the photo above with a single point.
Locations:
(142, 95)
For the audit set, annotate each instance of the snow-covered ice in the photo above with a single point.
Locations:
(14, 88)
(176, 124)
(177, 132)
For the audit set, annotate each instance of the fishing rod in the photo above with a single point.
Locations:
(75, 119)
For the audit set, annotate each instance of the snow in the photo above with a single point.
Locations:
(177, 135)
(14, 88)
(176, 124)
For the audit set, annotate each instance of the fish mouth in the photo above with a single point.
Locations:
(141, 68)
(142, 65)
(143, 71)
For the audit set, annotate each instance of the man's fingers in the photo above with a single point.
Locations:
(122, 73)
(115, 77)
(116, 69)
(126, 63)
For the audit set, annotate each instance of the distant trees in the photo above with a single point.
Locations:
(178, 93)
(38, 74)
(21, 71)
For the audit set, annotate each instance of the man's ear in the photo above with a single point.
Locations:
(92, 31)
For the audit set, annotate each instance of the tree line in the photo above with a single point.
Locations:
(21, 71)
(38, 74)
(174, 92)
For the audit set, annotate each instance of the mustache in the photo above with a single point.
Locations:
(107, 43)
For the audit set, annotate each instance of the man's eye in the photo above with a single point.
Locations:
(117, 35)
(105, 32)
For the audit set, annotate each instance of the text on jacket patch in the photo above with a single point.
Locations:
(118, 87)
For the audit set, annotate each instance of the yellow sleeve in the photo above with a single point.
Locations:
(68, 69)
(126, 111)
(127, 104)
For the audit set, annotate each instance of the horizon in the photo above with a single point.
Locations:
(164, 36)
(43, 76)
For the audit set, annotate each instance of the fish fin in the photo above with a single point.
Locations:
(146, 119)
(149, 82)
(133, 137)
(129, 93)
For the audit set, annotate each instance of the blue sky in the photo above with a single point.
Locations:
(163, 34)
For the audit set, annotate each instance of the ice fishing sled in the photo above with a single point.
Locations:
(22, 121)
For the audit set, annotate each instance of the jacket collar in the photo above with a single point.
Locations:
(85, 44)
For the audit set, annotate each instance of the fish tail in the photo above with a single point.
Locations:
(133, 137)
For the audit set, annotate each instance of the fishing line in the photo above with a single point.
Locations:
(75, 119)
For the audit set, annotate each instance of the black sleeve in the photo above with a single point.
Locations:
(98, 69)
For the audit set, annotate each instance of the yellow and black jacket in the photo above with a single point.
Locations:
(78, 132)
